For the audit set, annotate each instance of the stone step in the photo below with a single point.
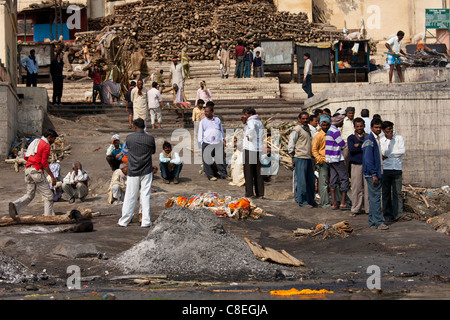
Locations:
(222, 89)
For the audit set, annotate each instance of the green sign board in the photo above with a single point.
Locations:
(437, 18)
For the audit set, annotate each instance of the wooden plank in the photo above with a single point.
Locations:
(269, 254)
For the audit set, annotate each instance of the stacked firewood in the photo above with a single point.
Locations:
(163, 29)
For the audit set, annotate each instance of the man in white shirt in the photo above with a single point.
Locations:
(176, 74)
(75, 183)
(307, 75)
(313, 124)
(365, 116)
(394, 45)
(347, 129)
(392, 149)
(155, 105)
(263, 57)
(212, 139)
(252, 145)
(170, 164)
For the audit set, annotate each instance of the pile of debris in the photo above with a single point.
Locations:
(58, 151)
(222, 206)
(424, 56)
(185, 245)
(163, 30)
(325, 231)
(12, 271)
(423, 203)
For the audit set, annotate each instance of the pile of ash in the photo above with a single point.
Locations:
(193, 245)
(13, 272)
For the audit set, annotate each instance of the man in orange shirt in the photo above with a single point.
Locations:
(37, 162)
(318, 152)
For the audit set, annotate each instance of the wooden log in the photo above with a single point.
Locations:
(58, 218)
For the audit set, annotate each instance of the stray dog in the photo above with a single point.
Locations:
(82, 224)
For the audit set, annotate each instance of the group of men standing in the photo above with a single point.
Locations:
(354, 167)
(247, 57)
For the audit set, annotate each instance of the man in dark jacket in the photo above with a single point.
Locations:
(372, 169)
(359, 185)
(56, 70)
(141, 146)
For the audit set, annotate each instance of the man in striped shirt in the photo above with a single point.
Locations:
(335, 158)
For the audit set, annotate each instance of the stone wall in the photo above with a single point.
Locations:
(411, 74)
(22, 113)
(420, 113)
(9, 103)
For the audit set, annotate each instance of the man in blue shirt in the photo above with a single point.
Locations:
(31, 65)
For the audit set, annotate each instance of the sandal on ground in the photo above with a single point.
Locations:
(346, 207)
(404, 218)
(334, 208)
(353, 214)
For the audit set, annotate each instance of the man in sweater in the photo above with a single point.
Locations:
(307, 75)
(360, 193)
(141, 147)
(318, 152)
(299, 147)
(335, 158)
(392, 150)
(37, 162)
(372, 169)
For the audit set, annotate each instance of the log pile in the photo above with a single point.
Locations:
(163, 30)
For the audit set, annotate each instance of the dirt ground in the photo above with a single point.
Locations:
(412, 257)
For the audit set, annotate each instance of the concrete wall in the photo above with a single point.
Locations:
(22, 113)
(412, 75)
(420, 113)
(9, 104)
(8, 41)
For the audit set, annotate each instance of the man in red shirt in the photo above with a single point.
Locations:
(239, 52)
(37, 162)
(97, 89)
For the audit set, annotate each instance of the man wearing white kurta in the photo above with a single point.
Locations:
(177, 74)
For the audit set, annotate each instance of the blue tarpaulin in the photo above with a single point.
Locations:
(42, 32)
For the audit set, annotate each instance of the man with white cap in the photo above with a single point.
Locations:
(114, 153)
